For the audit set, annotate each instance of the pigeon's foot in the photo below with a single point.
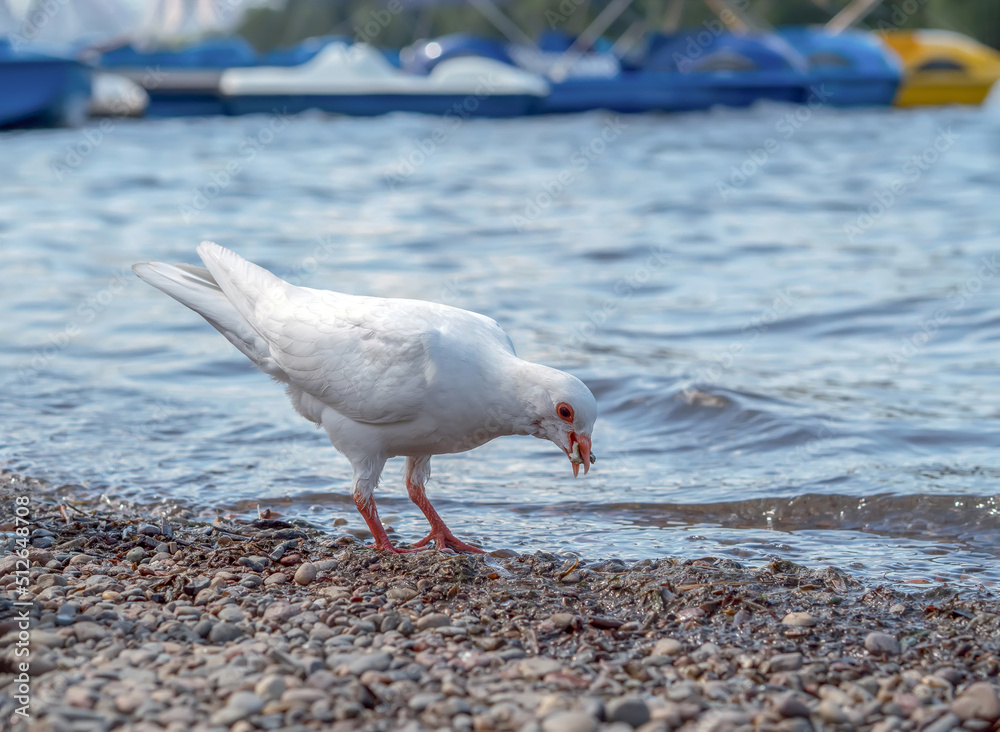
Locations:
(446, 540)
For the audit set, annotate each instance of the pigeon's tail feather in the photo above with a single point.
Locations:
(196, 288)
(247, 286)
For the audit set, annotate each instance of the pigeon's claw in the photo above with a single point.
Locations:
(444, 539)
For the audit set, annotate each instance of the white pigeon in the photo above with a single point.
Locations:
(385, 377)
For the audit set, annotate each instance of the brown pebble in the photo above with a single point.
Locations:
(278, 578)
(305, 574)
(791, 705)
(110, 595)
(979, 701)
(799, 620)
(605, 623)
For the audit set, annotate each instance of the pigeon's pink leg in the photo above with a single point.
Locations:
(440, 534)
(366, 507)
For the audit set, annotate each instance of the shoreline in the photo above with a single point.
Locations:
(176, 624)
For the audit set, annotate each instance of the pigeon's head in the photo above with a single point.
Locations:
(568, 413)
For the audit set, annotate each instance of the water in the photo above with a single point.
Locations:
(778, 374)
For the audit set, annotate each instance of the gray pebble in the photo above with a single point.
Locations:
(255, 563)
(785, 662)
(831, 712)
(945, 723)
(879, 643)
(270, 687)
(628, 709)
(135, 555)
(370, 662)
(791, 705)
(50, 580)
(434, 620)
(202, 628)
(224, 633)
(241, 704)
(569, 722)
(232, 614)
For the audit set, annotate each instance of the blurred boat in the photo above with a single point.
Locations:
(185, 81)
(846, 69)
(42, 90)
(358, 80)
(942, 67)
(678, 72)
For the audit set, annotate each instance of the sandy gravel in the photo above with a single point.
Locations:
(143, 619)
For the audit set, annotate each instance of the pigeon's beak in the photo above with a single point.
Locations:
(579, 453)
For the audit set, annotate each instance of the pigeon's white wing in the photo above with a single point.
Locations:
(371, 359)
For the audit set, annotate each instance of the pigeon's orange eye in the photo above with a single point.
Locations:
(565, 411)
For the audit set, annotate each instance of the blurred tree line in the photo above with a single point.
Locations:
(397, 23)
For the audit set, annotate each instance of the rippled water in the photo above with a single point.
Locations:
(794, 356)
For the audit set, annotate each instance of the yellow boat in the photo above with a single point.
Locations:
(941, 67)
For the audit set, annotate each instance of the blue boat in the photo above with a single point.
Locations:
(182, 82)
(678, 73)
(846, 69)
(40, 90)
(729, 69)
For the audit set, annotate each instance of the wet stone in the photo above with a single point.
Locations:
(254, 563)
(799, 620)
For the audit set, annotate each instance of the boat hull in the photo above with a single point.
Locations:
(43, 92)
(374, 105)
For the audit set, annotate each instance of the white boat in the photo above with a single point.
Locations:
(358, 80)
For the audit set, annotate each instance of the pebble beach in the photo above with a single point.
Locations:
(160, 620)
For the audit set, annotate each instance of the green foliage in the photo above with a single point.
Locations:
(396, 25)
